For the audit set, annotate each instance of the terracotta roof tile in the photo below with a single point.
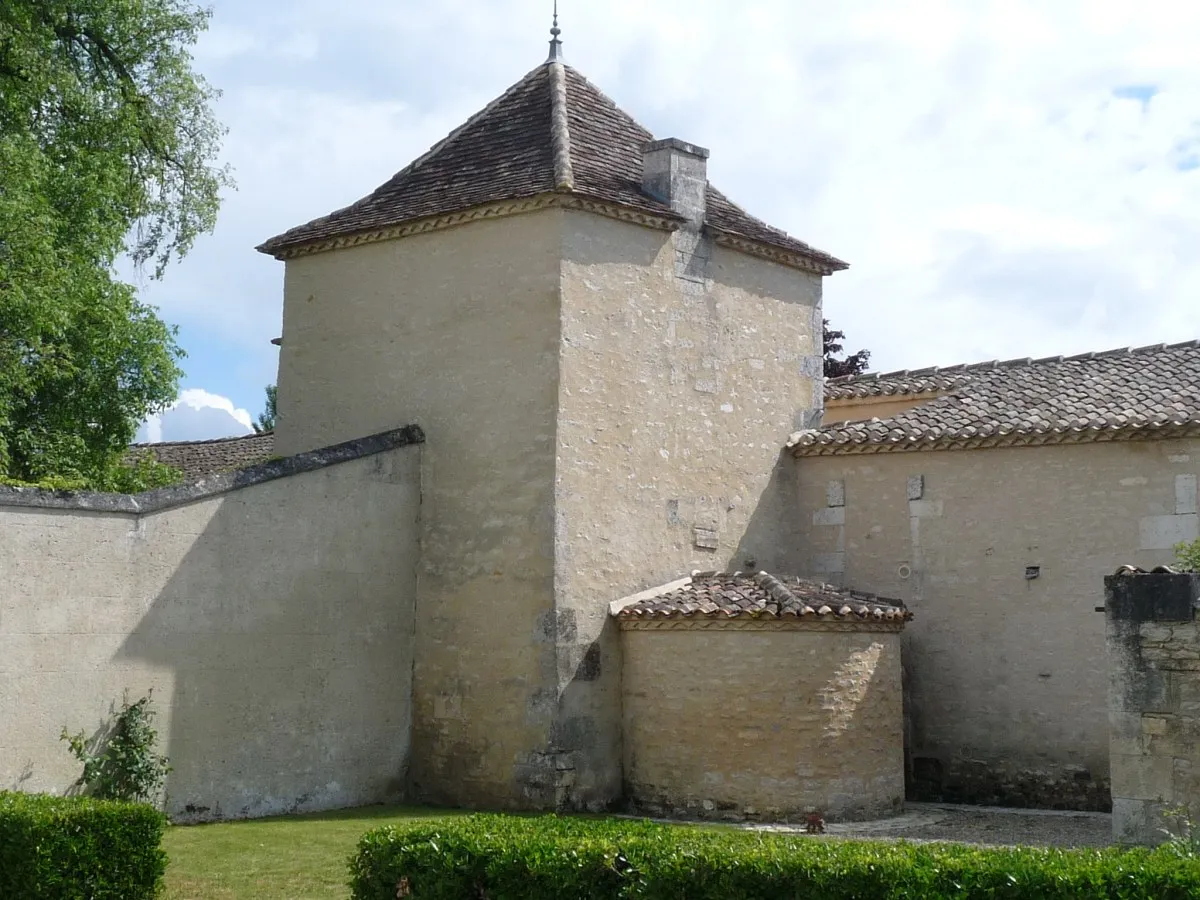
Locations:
(198, 459)
(761, 595)
(1141, 388)
(512, 149)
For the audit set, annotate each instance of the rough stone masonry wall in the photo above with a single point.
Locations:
(998, 553)
(1154, 702)
(683, 368)
(273, 623)
(456, 330)
(763, 719)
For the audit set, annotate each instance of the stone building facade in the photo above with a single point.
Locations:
(606, 355)
(754, 697)
(992, 499)
(617, 377)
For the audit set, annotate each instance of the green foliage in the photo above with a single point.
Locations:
(266, 420)
(853, 364)
(548, 857)
(1188, 556)
(72, 848)
(141, 472)
(107, 143)
(1182, 833)
(120, 763)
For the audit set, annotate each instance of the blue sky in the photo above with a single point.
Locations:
(1015, 178)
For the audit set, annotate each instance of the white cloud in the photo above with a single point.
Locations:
(1006, 178)
(196, 416)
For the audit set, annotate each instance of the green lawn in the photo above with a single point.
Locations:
(290, 858)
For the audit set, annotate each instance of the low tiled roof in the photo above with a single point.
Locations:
(1088, 397)
(549, 132)
(198, 459)
(737, 594)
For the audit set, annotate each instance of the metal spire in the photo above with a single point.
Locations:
(556, 54)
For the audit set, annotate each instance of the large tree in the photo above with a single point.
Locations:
(852, 364)
(108, 146)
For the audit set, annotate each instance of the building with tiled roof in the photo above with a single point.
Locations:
(546, 366)
(1113, 395)
(553, 137)
(199, 459)
(746, 695)
(605, 353)
(991, 494)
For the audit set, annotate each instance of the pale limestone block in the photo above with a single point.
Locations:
(829, 562)
(925, 509)
(916, 487)
(830, 515)
(1185, 494)
(835, 493)
(1141, 777)
(1164, 532)
(1155, 724)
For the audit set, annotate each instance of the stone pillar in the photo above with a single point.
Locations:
(1154, 701)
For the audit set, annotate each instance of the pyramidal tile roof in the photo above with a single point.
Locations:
(553, 132)
(1112, 395)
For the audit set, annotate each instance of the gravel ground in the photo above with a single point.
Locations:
(978, 825)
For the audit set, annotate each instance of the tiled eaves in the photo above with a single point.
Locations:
(1009, 438)
(1134, 394)
(210, 486)
(941, 378)
(553, 134)
(762, 597)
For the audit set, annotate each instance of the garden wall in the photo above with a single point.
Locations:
(270, 610)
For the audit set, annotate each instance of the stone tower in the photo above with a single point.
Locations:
(606, 356)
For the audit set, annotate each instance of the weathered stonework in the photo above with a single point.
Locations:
(1005, 674)
(269, 610)
(762, 719)
(1154, 701)
(597, 423)
(672, 404)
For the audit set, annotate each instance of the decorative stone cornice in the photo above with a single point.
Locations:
(765, 251)
(1011, 439)
(486, 211)
(764, 623)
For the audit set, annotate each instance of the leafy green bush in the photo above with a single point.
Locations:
(513, 858)
(78, 848)
(120, 763)
(1188, 556)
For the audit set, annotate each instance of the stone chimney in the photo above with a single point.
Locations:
(676, 173)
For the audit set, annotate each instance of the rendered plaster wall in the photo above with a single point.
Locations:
(456, 330)
(1006, 681)
(763, 721)
(683, 368)
(864, 409)
(273, 624)
(1154, 704)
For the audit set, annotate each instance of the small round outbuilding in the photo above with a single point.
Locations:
(747, 696)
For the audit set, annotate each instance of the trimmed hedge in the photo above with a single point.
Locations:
(539, 858)
(77, 848)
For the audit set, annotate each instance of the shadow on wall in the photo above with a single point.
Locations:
(772, 540)
(288, 627)
(273, 622)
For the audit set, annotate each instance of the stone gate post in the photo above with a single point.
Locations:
(1153, 640)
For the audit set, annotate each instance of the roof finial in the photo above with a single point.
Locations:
(556, 54)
